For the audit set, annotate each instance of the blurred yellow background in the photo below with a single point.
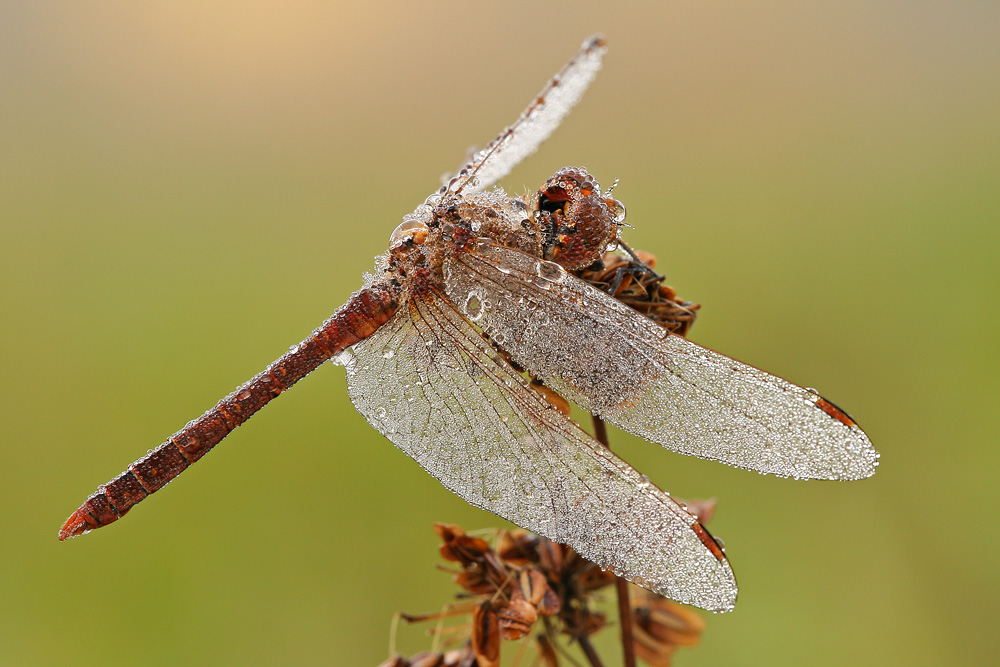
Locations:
(188, 188)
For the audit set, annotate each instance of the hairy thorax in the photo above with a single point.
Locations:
(569, 221)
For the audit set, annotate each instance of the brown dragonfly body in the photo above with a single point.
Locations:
(367, 310)
(478, 289)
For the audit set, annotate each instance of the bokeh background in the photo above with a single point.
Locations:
(188, 188)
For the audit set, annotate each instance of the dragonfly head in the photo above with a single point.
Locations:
(578, 221)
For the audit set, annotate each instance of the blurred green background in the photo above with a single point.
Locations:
(187, 188)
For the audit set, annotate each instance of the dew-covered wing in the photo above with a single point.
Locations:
(607, 358)
(432, 385)
(535, 124)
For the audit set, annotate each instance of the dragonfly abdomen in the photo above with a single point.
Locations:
(367, 310)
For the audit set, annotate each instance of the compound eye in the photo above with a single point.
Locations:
(408, 229)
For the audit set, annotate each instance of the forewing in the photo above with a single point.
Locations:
(609, 359)
(535, 124)
(432, 385)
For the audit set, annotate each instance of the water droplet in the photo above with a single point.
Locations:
(618, 211)
(550, 271)
(405, 229)
(389, 354)
(473, 307)
(346, 359)
(380, 413)
(541, 283)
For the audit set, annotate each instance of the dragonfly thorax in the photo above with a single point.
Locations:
(568, 221)
(408, 232)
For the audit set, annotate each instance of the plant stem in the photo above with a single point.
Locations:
(624, 606)
(590, 652)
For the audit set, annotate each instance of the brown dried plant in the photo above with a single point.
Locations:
(524, 584)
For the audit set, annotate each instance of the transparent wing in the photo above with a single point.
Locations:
(535, 124)
(432, 385)
(610, 360)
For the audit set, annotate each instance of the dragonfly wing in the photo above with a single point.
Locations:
(535, 124)
(609, 359)
(437, 389)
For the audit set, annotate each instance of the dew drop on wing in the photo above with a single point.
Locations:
(473, 307)
(400, 232)
(550, 271)
(540, 316)
(346, 359)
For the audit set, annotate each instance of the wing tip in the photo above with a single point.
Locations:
(832, 410)
(717, 595)
(594, 42)
(864, 465)
(710, 586)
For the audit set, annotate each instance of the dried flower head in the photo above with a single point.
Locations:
(662, 625)
(630, 279)
(524, 583)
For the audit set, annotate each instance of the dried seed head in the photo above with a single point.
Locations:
(661, 625)
(632, 281)
(458, 546)
(516, 618)
(524, 577)
(486, 635)
(533, 585)
(517, 547)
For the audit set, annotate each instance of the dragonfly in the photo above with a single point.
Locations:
(470, 325)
